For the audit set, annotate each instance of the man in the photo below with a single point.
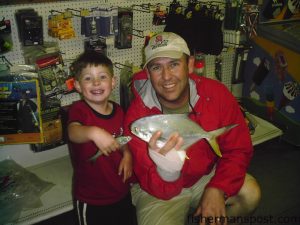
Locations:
(217, 188)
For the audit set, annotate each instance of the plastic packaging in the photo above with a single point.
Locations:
(19, 190)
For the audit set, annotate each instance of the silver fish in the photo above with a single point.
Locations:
(189, 130)
(122, 140)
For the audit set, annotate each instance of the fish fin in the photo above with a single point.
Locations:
(215, 146)
(214, 134)
(221, 130)
(95, 157)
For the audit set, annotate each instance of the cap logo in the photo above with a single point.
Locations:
(159, 42)
(158, 38)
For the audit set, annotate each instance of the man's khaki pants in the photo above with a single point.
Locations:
(153, 211)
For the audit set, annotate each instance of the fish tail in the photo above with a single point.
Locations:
(213, 139)
(215, 146)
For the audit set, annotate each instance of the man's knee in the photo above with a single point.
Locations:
(250, 194)
(248, 198)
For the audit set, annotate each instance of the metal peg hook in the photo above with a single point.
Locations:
(70, 9)
(121, 66)
(143, 8)
(140, 33)
(72, 14)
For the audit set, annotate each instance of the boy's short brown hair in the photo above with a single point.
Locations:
(90, 58)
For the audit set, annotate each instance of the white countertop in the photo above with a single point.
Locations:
(264, 131)
(59, 198)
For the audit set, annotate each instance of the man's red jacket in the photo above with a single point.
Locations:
(213, 107)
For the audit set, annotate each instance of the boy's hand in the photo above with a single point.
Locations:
(126, 164)
(105, 141)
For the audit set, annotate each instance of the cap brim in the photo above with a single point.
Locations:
(168, 54)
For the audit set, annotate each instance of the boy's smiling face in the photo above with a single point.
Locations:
(95, 84)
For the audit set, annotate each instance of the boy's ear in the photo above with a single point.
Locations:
(113, 82)
(77, 86)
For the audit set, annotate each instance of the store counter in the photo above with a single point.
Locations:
(59, 171)
(58, 199)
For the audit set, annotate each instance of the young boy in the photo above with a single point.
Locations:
(101, 187)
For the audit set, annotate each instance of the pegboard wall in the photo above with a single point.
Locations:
(227, 58)
(70, 48)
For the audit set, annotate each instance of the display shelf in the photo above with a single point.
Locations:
(58, 199)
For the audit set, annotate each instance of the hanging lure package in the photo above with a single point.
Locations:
(123, 38)
(103, 23)
(159, 15)
(61, 26)
(96, 43)
(20, 101)
(30, 27)
(53, 129)
(88, 26)
(114, 28)
(175, 19)
(5, 36)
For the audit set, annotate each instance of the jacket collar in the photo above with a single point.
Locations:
(146, 92)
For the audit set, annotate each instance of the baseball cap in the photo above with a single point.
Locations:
(165, 44)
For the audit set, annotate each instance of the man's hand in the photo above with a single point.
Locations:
(174, 142)
(212, 207)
